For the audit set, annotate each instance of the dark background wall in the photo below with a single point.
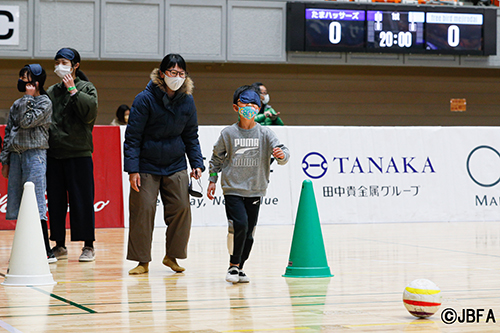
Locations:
(304, 94)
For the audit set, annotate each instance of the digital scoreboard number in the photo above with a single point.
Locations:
(454, 31)
(348, 27)
(395, 30)
(335, 29)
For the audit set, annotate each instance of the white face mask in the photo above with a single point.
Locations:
(266, 99)
(174, 83)
(63, 70)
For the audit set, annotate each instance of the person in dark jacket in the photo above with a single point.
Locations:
(70, 169)
(162, 130)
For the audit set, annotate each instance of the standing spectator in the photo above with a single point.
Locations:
(70, 169)
(242, 155)
(162, 131)
(24, 155)
(122, 115)
(267, 115)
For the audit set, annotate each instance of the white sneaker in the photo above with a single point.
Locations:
(233, 274)
(51, 258)
(243, 278)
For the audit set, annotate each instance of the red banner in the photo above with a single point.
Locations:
(108, 204)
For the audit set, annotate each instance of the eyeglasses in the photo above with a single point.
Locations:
(175, 73)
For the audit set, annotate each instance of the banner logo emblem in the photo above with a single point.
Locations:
(477, 159)
(314, 165)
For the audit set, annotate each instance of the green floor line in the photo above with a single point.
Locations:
(64, 300)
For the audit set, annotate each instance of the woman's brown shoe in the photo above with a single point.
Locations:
(172, 263)
(140, 269)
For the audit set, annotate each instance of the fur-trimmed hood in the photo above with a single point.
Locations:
(162, 132)
(186, 88)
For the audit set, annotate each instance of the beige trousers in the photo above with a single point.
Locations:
(176, 211)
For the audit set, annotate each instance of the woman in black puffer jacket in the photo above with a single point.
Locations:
(162, 130)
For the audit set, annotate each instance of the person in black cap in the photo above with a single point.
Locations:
(70, 169)
(242, 154)
(24, 154)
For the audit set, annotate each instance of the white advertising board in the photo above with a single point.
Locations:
(372, 175)
(9, 25)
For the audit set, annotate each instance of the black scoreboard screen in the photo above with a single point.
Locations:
(454, 31)
(395, 30)
(333, 29)
(347, 27)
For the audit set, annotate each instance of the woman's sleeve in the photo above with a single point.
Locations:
(190, 138)
(85, 102)
(139, 115)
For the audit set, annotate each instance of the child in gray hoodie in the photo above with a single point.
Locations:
(242, 154)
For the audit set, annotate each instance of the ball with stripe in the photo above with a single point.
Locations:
(422, 298)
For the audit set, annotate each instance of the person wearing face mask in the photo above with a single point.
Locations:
(70, 169)
(242, 155)
(267, 115)
(122, 114)
(24, 154)
(162, 130)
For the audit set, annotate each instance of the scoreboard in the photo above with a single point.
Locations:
(347, 27)
(395, 30)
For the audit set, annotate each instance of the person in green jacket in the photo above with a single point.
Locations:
(267, 115)
(70, 169)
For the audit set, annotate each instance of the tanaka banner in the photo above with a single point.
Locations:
(359, 175)
(371, 174)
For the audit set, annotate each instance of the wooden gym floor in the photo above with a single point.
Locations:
(371, 263)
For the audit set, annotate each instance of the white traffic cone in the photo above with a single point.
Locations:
(28, 265)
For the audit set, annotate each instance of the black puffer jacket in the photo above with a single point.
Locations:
(162, 131)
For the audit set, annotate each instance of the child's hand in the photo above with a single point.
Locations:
(278, 153)
(211, 190)
(30, 89)
(5, 170)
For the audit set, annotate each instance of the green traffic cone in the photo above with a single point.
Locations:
(307, 255)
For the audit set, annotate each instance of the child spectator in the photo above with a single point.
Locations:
(24, 154)
(243, 153)
(122, 114)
